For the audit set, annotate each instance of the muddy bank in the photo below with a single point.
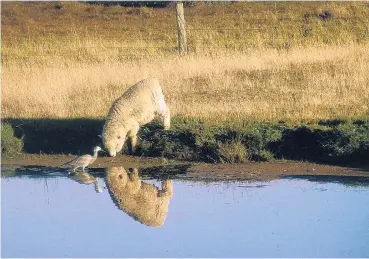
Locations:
(101, 162)
(269, 171)
(263, 171)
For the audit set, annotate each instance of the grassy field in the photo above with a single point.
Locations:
(313, 84)
(261, 80)
(256, 61)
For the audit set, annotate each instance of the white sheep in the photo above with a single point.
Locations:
(139, 105)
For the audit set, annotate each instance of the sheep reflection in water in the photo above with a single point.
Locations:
(144, 202)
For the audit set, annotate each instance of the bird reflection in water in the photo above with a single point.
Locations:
(85, 178)
(144, 202)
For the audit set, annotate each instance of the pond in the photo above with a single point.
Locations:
(158, 212)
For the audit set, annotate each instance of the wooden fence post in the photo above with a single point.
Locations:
(182, 39)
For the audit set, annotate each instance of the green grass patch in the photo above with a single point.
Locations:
(10, 144)
(333, 142)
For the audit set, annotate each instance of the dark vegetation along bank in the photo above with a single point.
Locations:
(332, 142)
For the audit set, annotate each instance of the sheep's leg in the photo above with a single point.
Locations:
(165, 116)
(163, 112)
(166, 188)
(134, 180)
(133, 137)
(166, 119)
(133, 174)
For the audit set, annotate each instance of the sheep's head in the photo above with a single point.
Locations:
(113, 140)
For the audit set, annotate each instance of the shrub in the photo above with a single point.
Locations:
(233, 152)
(10, 145)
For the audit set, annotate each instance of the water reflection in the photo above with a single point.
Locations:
(144, 202)
(345, 180)
(317, 216)
(85, 178)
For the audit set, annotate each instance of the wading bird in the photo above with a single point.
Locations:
(84, 160)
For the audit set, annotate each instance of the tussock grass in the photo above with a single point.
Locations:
(248, 61)
(336, 142)
(298, 85)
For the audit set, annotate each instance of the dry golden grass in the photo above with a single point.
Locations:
(302, 84)
(75, 61)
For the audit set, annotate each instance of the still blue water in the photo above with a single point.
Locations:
(48, 213)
